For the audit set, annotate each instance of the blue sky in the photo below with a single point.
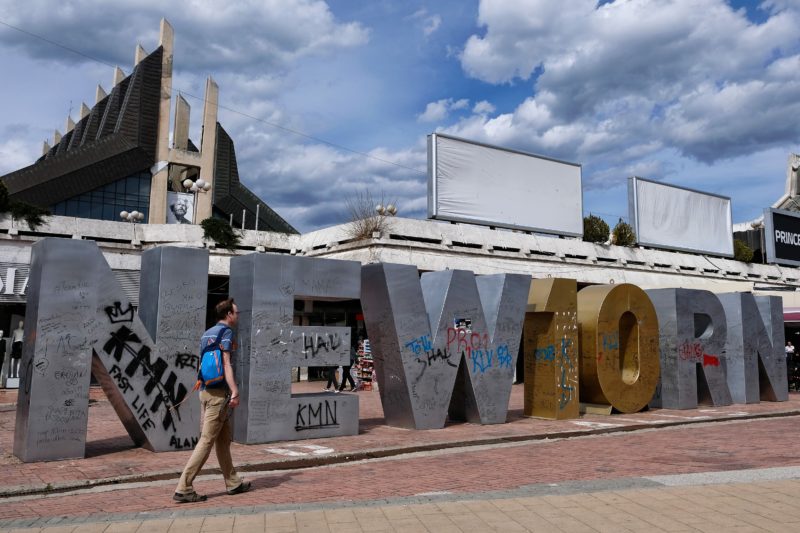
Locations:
(700, 93)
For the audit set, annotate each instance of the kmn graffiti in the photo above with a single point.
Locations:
(119, 343)
(316, 415)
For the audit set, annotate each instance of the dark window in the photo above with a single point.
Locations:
(131, 193)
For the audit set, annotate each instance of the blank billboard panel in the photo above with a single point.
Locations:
(676, 218)
(482, 184)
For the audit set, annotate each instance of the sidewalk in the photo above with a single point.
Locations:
(767, 502)
(112, 458)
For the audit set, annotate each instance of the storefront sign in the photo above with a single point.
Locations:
(782, 236)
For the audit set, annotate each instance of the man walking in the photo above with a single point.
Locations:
(214, 403)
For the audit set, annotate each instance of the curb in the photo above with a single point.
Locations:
(348, 457)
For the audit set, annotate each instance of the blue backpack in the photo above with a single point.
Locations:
(211, 373)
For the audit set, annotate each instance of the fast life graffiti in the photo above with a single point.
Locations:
(265, 287)
(79, 322)
(444, 344)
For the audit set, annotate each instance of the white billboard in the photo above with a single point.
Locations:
(483, 184)
(676, 218)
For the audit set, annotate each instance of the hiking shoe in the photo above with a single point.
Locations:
(244, 486)
(189, 497)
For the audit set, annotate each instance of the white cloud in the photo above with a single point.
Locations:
(212, 35)
(617, 82)
(429, 23)
(483, 107)
(440, 109)
(16, 153)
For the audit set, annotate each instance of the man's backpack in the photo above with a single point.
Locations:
(211, 373)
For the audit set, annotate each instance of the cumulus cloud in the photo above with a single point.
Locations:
(617, 83)
(439, 110)
(308, 184)
(209, 33)
(483, 107)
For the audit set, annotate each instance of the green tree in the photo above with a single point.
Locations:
(742, 252)
(595, 229)
(623, 234)
(32, 214)
(221, 232)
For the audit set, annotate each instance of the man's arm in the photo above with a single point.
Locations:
(230, 379)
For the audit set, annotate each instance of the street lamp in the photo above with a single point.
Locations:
(390, 210)
(200, 185)
(133, 216)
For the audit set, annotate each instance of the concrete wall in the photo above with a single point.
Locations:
(431, 245)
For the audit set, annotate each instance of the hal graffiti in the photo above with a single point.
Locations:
(426, 355)
(312, 344)
(316, 415)
(120, 343)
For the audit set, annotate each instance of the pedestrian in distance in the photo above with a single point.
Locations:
(331, 379)
(218, 396)
(346, 370)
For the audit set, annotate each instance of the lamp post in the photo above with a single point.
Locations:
(133, 217)
(195, 187)
(759, 225)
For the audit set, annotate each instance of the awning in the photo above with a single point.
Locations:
(791, 314)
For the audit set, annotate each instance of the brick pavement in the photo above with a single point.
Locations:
(734, 444)
(112, 457)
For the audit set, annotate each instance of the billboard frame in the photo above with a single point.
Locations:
(633, 213)
(433, 192)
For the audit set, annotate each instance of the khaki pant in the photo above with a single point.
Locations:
(215, 432)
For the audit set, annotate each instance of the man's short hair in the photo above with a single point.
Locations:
(223, 308)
